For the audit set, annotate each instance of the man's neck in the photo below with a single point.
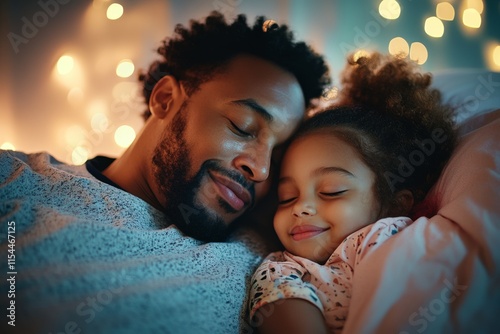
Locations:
(133, 174)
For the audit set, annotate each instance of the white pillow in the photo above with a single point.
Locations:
(476, 96)
(441, 273)
(468, 191)
(474, 93)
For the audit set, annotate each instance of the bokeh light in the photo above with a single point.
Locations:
(491, 53)
(398, 46)
(471, 18)
(115, 11)
(69, 73)
(495, 55)
(125, 68)
(65, 64)
(79, 155)
(124, 136)
(93, 74)
(418, 53)
(7, 146)
(445, 11)
(434, 27)
(360, 53)
(389, 9)
(475, 4)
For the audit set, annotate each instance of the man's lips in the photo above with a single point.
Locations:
(232, 192)
(306, 231)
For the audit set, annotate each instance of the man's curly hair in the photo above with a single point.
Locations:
(388, 111)
(193, 55)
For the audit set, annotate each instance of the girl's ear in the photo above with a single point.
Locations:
(164, 96)
(402, 204)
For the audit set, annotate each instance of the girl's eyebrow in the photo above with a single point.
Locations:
(332, 169)
(319, 172)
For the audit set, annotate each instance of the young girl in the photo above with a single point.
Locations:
(349, 179)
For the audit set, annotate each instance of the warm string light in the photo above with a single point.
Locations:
(125, 68)
(124, 136)
(114, 11)
(389, 9)
(398, 46)
(77, 137)
(79, 155)
(471, 18)
(418, 53)
(478, 5)
(65, 64)
(69, 71)
(471, 11)
(445, 11)
(492, 55)
(435, 28)
(360, 53)
(496, 55)
(7, 146)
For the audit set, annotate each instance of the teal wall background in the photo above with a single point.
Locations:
(36, 113)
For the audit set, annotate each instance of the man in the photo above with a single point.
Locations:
(204, 155)
(95, 248)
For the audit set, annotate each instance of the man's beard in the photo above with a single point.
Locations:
(171, 165)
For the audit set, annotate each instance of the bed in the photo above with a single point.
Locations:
(442, 274)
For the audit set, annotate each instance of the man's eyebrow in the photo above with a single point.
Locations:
(252, 104)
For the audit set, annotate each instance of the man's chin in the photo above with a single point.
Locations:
(202, 223)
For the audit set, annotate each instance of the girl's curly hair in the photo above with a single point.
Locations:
(388, 111)
(193, 55)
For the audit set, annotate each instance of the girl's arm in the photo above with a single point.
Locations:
(291, 316)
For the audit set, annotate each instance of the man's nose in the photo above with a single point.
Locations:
(255, 163)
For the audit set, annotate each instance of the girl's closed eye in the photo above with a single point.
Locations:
(285, 200)
(286, 194)
(334, 194)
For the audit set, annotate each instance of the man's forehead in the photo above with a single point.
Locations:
(261, 73)
(258, 69)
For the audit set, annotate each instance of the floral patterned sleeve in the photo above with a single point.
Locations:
(278, 278)
(371, 237)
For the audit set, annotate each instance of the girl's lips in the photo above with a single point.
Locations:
(306, 231)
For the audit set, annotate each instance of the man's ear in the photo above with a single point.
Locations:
(166, 95)
(402, 204)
